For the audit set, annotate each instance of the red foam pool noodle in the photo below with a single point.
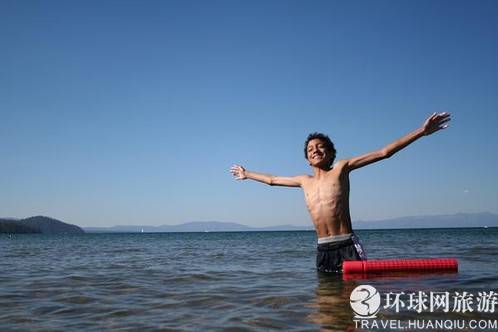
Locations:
(382, 266)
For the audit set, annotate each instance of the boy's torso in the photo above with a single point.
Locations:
(327, 199)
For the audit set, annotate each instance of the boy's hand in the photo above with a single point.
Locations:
(435, 122)
(238, 172)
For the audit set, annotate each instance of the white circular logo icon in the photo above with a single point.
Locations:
(365, 301)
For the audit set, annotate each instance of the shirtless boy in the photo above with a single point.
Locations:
(326, 192)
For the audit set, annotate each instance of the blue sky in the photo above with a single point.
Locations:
(132, 112)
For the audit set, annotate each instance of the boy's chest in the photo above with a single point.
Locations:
(328, 188)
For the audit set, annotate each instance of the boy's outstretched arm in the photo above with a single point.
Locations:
(240, 173)
(435, 122)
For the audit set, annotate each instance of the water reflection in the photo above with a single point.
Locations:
(331, 304)
(333, 311)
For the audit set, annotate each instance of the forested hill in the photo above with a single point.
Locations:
(38, 224)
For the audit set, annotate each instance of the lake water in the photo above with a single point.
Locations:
(243, 281)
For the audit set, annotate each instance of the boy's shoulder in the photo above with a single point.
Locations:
(341, 166)
(340, 163)
(303, 178)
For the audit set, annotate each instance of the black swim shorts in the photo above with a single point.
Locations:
(329, 256)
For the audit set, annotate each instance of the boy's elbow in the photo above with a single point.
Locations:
(385, 153)
(271, 181)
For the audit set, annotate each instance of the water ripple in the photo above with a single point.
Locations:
(209, 281)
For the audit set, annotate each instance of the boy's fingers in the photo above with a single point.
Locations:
(443, 120)
(444, 116)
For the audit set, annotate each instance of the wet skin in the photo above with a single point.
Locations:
(327, 192)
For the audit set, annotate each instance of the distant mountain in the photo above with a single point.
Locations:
(38, 224)
(8, 226)
(195, 226)
(439, 221)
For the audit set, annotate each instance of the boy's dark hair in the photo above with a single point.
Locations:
(328, 144)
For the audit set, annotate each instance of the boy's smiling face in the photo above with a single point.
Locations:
(317, 152)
